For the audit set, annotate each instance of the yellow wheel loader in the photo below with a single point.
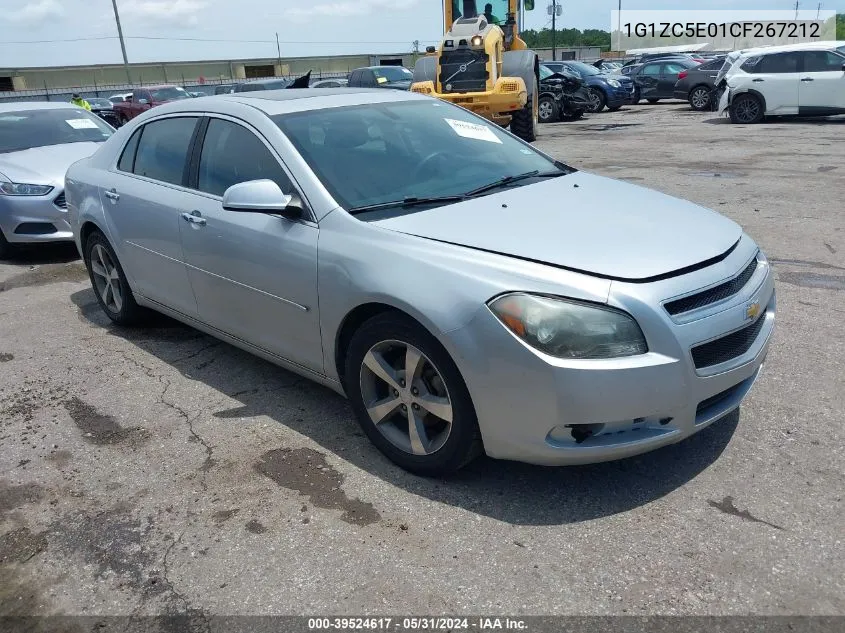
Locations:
(483, 65)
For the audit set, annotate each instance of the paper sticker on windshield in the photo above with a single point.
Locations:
(473, 130)
(382, 80)
(81, 124)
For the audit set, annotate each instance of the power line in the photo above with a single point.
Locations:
(200, 39)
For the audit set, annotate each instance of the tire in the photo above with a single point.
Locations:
(6, 249)
(700, 98)
(597, 100)
(387, 338)
(637, 97)
(117, 302)
(524, 64)
(747, 109)
(548, 111)
(652, 101)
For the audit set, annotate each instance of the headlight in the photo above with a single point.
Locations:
(570, 329)
(614, 83)
(19, 189)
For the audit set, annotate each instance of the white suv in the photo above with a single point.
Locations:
(803, 79)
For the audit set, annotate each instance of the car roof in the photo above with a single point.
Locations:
(283, 101)
(17, 106)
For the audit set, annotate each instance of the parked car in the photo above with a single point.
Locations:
(612, 91)
(330, 83)
(396, 77)
(802, 79)
(104, 109)
(696, 85)
(223, 89)
(432, 267)
(143, 99)
(655, 80)
(609, 68)
(195, 94)
(38, 142)
(126, 96)
(563, 96)
(263, 84)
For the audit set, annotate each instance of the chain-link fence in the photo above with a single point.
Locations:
(107, 90)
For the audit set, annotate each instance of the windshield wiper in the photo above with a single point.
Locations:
(406, 202)
(508, 180)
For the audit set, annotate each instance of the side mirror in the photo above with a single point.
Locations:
(261, 196)
(143, 101)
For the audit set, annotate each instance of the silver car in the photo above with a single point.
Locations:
(465, 291)
(38, 142)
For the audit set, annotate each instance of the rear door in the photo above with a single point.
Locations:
(669, 72)
(143, 197)
(254, 275)
(776, 77)
(648, 80)
(822, 84)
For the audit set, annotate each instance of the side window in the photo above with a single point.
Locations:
(779, 63)
(232, 154)
(353, 78)
(752, 65)
(651, 70)
(163, 149)
(672, 69)
(127, 158)
(822, 61)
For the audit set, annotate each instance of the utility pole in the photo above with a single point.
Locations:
(818, 11)
(554, 30)
(796, 10)
(619, 28)
(122, 43)
(279, 53)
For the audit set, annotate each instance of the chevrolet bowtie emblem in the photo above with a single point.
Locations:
(752, 311)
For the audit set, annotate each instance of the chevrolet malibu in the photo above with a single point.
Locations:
(38, 142)
(466, 292)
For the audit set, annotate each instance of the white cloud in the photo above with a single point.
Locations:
(36, 11)
(183, 12)
(345, 9)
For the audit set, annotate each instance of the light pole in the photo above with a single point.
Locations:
(122, 44)
(619, 28)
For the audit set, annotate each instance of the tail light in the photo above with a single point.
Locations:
(682, 74)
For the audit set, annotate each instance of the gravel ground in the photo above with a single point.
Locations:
(159, 471)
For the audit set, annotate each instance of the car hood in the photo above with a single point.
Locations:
(44, 165)
(582, 222)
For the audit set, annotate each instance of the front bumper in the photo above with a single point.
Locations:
(33, 219)
(509, 95)
(619, 96)
(528, 404)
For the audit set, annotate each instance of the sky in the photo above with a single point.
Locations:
(75, 32)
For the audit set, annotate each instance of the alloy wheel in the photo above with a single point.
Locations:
(747, 110)
(547, 111)
(106, 278)
(700, 98)
(595, 100)
(406, 397)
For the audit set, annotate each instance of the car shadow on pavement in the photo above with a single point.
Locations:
(34, 254)
(515, 493)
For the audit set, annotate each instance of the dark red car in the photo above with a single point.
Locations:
(143, 99)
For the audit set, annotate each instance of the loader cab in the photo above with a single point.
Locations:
(503, 13)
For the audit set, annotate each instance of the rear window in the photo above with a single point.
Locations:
(25, 129)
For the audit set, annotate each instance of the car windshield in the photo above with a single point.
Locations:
(169, 94)
(25, 129)
(545, 73)
(393, 73)
(381, 153)
(584, 69)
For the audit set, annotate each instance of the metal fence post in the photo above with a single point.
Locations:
(46, 90)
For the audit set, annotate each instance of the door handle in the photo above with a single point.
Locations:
(112, 194)
(807, 79)
(757, 81)
(194, 217)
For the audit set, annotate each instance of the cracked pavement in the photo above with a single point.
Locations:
(158, 471)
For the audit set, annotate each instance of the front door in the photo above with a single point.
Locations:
(254, 275)
(143, 198)
(822, 85)
(776, 77)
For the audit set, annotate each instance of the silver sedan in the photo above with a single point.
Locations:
(38, 142)
(465, 291)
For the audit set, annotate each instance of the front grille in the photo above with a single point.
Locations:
(463, 70)
(717, 293)
(35, 228)
(510, 86)
(728, 347)
(60, 201)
